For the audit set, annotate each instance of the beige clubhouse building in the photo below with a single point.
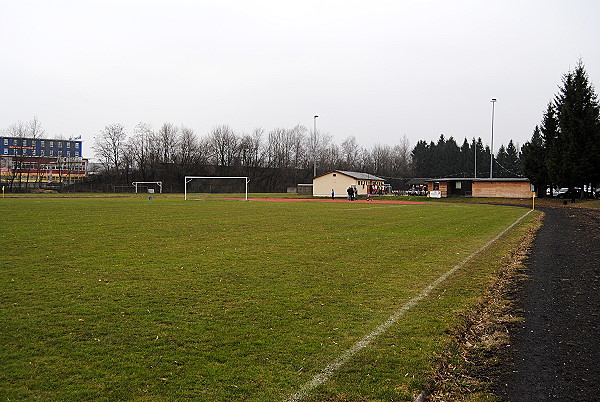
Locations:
(497, 187)
(340, 180)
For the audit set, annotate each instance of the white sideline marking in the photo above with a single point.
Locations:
(328, 371)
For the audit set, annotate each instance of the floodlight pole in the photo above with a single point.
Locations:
(315, 145)
(475, 148)
(492, 145)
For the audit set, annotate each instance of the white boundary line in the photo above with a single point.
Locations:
(328, 371)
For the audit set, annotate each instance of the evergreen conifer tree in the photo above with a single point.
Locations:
(533, 159)
(575, 159)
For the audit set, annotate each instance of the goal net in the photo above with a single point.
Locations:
(202, 187)
(148, 186)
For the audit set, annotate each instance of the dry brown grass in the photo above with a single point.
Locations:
(467, 371)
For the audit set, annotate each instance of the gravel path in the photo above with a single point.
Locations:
(555, 353)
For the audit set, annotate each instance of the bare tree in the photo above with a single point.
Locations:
(278, 149)
(35, 129)
(19, 132)
(350, 154)
(401, 158)
(109, 146)
(143, 150)
(366, 163)
(327, 154)
(167, 138)
(382, 159)
(330, 157)
(223, 145)
(298, 140)
(250, 148)
(187, 149)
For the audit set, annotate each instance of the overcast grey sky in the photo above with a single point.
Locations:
(376, 70)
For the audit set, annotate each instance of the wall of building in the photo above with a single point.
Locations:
(29, 170)
(339, 183)
(502, 189)
(31, 162)
(441, 186)
(42, 147)
(305, 189)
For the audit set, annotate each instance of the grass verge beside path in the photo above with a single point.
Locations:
(468, 368)
(224, 300)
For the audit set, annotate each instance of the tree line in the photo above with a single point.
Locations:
(564, 150)
(445, 159)
(272, 160)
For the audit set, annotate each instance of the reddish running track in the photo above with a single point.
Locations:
(336, 200)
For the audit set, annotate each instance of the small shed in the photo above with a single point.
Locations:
(340, 180)
(475, 187)
(304, 189)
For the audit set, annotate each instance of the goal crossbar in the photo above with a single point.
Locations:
(190, 178)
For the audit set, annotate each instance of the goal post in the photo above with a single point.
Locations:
(209, 188)
(142, 183)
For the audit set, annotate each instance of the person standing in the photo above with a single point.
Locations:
(332, 194)
(350, 192)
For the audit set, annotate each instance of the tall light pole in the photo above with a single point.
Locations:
(492, 145)
(315, 145)
(475, 148)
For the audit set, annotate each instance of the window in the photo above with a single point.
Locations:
(42, 143)
(51, 144)
(68, 145)
(77, 145)
(6, 141)
(42, 152)
(5, 151)
(459, 185)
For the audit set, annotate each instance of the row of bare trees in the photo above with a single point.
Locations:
(277, 158)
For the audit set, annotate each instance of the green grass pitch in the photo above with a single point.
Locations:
(138, 299)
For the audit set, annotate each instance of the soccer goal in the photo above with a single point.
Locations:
(147, 186)
(197, 187)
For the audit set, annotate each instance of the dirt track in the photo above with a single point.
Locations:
(555, 353)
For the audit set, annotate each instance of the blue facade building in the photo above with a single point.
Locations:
(11, 146)
(33, 162)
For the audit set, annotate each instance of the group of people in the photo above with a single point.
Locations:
(352, 194)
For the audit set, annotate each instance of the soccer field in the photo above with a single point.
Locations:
(131, 298)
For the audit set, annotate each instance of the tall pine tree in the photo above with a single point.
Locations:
(577, 142)
(533, 159)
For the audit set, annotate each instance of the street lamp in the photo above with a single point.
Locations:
(492, 145)
(315, 146)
